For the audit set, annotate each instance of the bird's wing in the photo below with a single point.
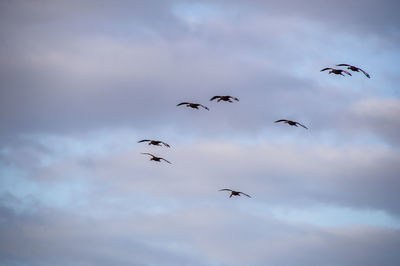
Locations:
(182, 103)
(165, 144)
(148, 154)
(343, 65)
(215, 97)
(165, 160)
(205, 107)
(245, 194)
(326, 68)
(280, 120)
(143, 140)
(302, 125)
(365, 73)
(347, 72)
(225, 189)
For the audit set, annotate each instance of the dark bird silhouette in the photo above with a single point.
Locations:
(336, 71)
(290, 122)
(154, 142)
(226, 98)
(355, 69)
(234, 193)
(155, 158)
(193, 105)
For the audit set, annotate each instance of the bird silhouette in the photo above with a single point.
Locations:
(355, 69)
(234, 193)
(154, 142)
(290, 122)
(336, 71)
(226, 98)
(193, 105)
(155, 158)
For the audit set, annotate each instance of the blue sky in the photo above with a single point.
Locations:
(83, 81)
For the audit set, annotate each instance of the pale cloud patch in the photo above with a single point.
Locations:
(378, 116)
(278, 173)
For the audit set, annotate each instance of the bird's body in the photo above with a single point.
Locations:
(155, 158)
(225, 98)
(336, 71)
(154, 142)
(355, 69)
(234, 193)
(290, 122)
(193, 105)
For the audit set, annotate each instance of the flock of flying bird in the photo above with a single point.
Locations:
(341, 71)
(228, 98)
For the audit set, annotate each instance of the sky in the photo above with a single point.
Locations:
(81, 82)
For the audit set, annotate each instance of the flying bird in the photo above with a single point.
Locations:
(234, 193)
(290, 122)
(226, 98)
(193, 105)
(154, 142)
(355, 69)
(336, 71)
(155, 158)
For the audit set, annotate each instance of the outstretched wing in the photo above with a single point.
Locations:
(347, 72)
(205, 107)
(302, 125)
(182, 103)
(281, 120)
(365, 73)
(343, 65)
(165, 144)
(326, 68)
(143, 140)
(225, 189)
(245, 194)
(215, 97)
(165, 160)
(148, 154)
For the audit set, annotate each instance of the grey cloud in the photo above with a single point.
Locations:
(45, 244)
(363, 18)
(201, 236)
(379, 116)
(81, 82)
(77, 80)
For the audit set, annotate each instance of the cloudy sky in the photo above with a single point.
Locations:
(82, 81)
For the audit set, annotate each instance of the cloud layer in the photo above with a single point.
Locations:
(82, 82)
